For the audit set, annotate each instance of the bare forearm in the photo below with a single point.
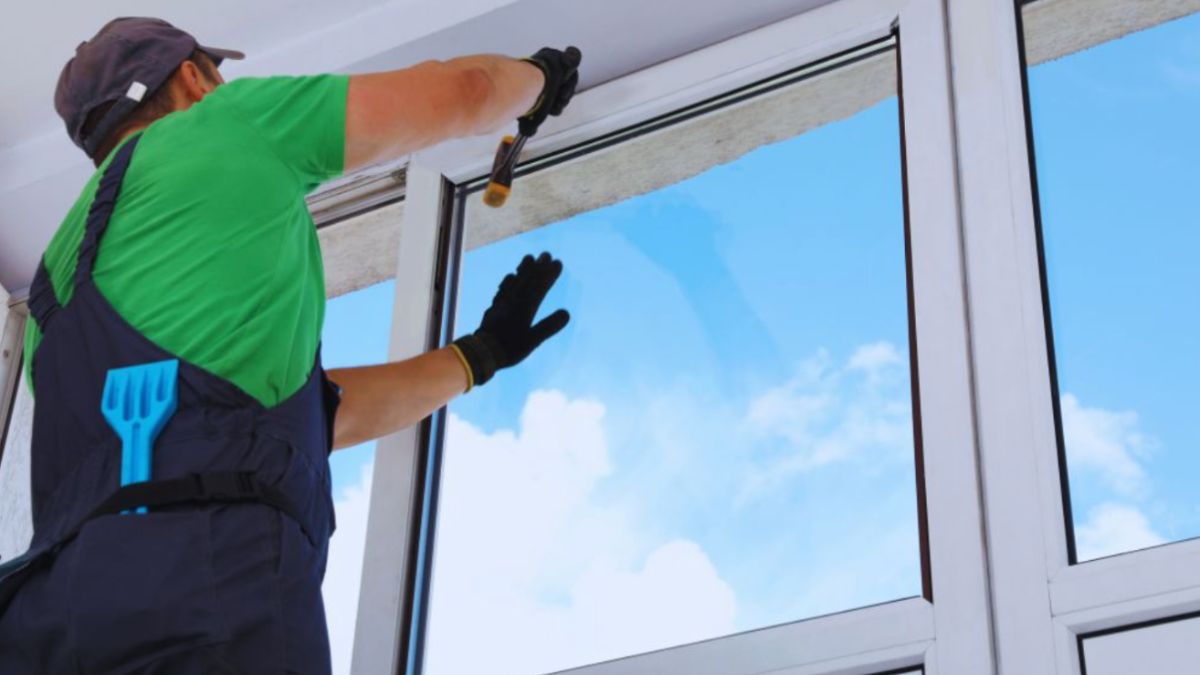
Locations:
(513, 89)
(380, 400)
(392, 114)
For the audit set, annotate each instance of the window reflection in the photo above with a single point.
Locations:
(1116, 138)
(722, 438)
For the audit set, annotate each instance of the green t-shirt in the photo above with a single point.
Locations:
(211, 252)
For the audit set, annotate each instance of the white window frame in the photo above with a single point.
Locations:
(380, 642)
(1042, 604)
(951, 635)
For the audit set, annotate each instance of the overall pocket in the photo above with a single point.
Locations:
(143, 588)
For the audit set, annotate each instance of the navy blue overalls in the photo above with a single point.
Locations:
(223, 575)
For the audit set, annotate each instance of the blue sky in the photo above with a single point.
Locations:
(1116, 142)
(357, 328)
(720, 440)
(704, 315)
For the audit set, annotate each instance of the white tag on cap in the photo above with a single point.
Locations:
(136, 91)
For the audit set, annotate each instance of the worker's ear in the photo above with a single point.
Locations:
(193, 83)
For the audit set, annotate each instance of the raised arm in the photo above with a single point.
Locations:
(389, 115)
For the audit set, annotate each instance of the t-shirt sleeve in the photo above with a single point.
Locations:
(302, 118)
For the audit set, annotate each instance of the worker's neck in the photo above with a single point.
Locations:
(131, 131)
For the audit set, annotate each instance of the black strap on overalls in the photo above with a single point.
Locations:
(196, 488)
(43, 301)
(230, 557)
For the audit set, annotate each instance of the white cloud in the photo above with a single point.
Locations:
(1114, 528)
(1106, 442)
(550, 555)
(343, 571)
(1109, 448)
(535, 571)
(874, 357)
(827, 414)
(676, 597)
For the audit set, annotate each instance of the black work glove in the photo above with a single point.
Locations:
(507, 333)
(561, 69)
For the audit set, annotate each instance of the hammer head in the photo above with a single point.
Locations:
(496, 194)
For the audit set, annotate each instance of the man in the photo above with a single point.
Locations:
(192, 242)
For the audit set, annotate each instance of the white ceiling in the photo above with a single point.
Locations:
(45, 34)
(41, 171)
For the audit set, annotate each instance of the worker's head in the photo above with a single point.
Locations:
(134, 71)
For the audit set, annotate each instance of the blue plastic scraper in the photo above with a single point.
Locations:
(138, 401)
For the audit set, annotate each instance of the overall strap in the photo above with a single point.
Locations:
(43, 301)
(101, 211)
(214, 487)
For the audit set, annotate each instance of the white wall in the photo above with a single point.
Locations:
(15, 525)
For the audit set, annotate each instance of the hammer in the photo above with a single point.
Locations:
(500, 183)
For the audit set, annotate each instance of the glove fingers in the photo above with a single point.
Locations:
(561, 71)
(507, 285)
(521, 278)
(572, 57)
(565, 92)
(549, 326)
(532, 270)
(526, 265)
(508, 333)
(542, 280)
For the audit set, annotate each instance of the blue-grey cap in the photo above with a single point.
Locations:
(128, 60)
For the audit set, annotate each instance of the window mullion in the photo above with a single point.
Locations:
(1013, 404)
(385, 597)
(954, 522)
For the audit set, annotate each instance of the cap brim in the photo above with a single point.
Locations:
(218, 55)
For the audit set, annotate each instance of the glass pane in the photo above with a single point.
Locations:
(357, 328)
(1168, 648)
(1116, 142)
(721, 439)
